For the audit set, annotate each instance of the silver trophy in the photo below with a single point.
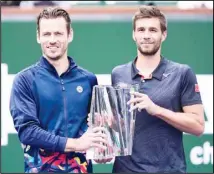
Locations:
(109, 109)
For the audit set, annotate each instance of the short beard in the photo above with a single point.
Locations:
(149, 53)
(56, 58)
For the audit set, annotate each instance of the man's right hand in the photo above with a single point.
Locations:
(91, 138)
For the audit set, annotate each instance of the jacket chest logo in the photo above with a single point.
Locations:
(79, 89)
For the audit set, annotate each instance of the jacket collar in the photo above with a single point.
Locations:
(46, 64)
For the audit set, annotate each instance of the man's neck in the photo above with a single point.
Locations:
(60, 65)
(147, 64)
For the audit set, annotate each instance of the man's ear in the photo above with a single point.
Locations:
(133, 36)
(164, 36)
(37, 37)
(70, 35)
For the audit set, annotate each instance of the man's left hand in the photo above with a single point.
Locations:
(142, 101)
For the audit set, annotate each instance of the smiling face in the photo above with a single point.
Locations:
(53, 37)
(149, 30)
(148, 35)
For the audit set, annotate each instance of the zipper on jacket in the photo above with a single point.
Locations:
(65, 112)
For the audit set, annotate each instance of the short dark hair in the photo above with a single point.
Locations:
(148, 11)
(54, 12)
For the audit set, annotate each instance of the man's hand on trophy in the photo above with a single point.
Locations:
(95, 137)
(142, 101)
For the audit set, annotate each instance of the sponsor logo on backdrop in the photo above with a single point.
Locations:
(202, 154)
(199, 154)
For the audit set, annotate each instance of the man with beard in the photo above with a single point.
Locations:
(50, 102)
(168, 102)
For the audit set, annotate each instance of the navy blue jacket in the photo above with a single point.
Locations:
(46, 110)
